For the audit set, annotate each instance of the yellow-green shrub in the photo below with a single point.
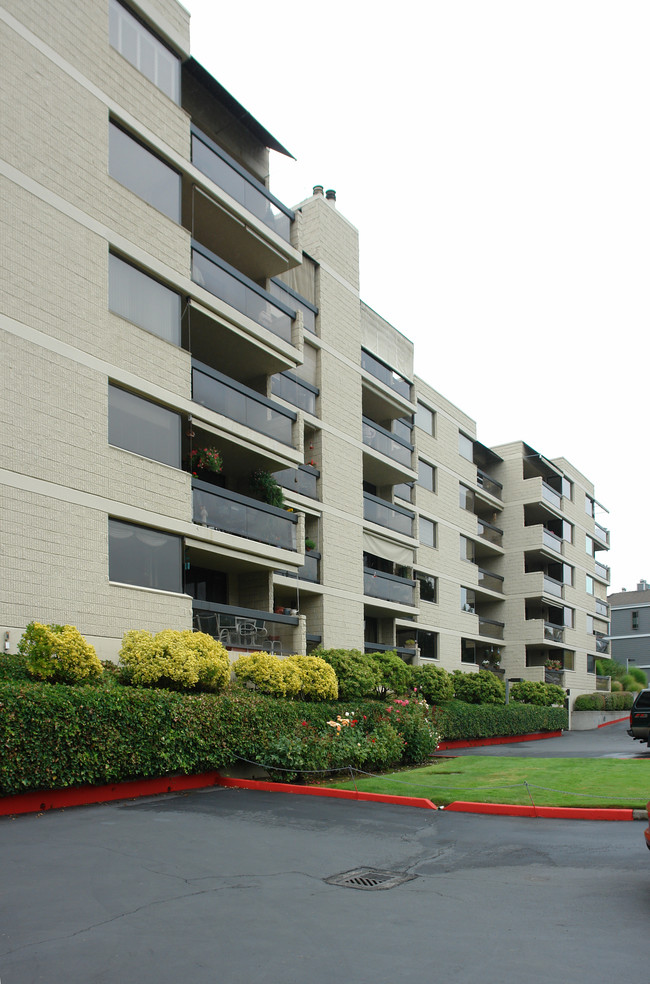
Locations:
(58, 653)
(317, 678)
(173, 659)
(307, 677)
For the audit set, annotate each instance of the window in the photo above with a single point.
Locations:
(427, 643)
(144, 51)
(428, 586)
(425, 419)
(143, 427)
(428, 531)
(567, 488)
(468, 600)
(467, 549)
(426, 475)
(404, 491)
(142, 300)
(468, 652)
(466, 446)
(589, 506)
(465, 498)
(568, 617)
(635, 620)
(589, 545)
(144, 557)
(567, 531)
(590, 624)
(589, 584)
(146, 175)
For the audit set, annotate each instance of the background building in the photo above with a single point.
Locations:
(158, 300)
(630, 626)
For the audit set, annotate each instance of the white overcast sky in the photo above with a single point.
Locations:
(495, 157)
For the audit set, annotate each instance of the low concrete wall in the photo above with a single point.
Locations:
(586, 720)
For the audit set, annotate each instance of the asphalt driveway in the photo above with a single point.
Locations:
(610, 741)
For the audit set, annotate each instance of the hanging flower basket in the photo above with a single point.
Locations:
(205, 460)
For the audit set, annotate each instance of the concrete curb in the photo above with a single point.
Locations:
(503, 740)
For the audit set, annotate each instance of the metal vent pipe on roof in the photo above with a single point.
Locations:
(318, 190)
(330, 195)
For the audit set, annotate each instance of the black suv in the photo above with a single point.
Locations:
(640, 717)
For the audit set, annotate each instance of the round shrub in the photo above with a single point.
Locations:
(616, 685)
(176, 660)
(317, 678)
(358, 676)
(268, 673)
(630, 684)
(59, 654)
(434, 683)
(395, 674)
(540, 694)
(589, 702)
(478, 688)
(639, 675)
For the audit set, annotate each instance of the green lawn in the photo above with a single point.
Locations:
(546, 782)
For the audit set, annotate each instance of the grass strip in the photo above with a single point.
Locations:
(548, 782)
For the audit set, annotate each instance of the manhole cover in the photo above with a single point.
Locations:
(369, 879)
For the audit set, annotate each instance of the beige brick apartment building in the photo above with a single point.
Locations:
(157, 299)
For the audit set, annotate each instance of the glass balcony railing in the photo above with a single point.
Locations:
(309, 570)
(383, 513)
(551, 541)
(492, 534)
(602, 571)
(295, 300)
(488, 627)
(601, 533)
(552, 587)
(554, 633)
(385, 374)
(602, 644)
(295, 391)
(220, 509)
(226, 396)
(400, 590)
(490, 581)
(302, 480)
(551, 496)
(381, 440)
(488, 484)
(231, 286)
(602, 608)
(217, 165)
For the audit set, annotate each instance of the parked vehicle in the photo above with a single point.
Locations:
(640, 717)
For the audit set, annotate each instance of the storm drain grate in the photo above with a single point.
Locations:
(369, 879)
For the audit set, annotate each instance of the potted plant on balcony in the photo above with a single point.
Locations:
(265, 488)
(553, 671)
(205, 462)
(309, 544)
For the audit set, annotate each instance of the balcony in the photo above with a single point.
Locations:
(489, 533)
(551, 496)
(298, 392)
(229, 512)
(309, 570)
(301, 480)
(386, 375)
(553, 587)
(247, 628)
(235, 289)
(489, 627)
(490, 581)
(381, 440)
(602, 608)
(225, 172)
(552, 541)
(489, 485)
(388, 587)
(601, 534)
(223, 395)
(376, 510)
(294, 300)
(602, 571)
(553, 633)
(602, 644)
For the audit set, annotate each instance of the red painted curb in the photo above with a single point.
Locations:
(615, 721)
(507, 740)
(349, 794)
(541, 812)
(57, 799)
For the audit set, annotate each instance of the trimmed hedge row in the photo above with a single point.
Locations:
(457, 720)
(616, 701)
(54, 736)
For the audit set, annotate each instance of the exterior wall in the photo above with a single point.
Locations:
(630, 627)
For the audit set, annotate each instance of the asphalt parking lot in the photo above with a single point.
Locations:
(228, 886)
(610, 741)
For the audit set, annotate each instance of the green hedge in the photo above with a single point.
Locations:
(602, 701)
(457, 720)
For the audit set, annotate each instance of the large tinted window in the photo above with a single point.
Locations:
(130, 163)
(143, 427)
(145, 52)
(141, 299)
(148, 558)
